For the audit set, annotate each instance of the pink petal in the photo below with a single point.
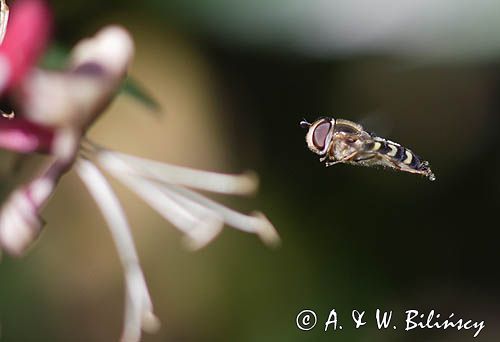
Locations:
(23, 136)
(27, 34)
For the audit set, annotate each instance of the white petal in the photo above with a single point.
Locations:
(19, 223)
(138, 302)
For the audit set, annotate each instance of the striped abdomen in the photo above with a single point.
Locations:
(398, 154)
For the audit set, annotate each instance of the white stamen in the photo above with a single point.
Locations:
(139, 309)
(256, 223)
(244, 184)
(124, 165)
(199, 224)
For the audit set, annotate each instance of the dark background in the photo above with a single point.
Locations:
(235, 80)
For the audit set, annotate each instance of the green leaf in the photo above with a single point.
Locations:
(132, 88)
(55, 57)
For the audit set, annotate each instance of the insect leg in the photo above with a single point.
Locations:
(350, 157)
(322, 159)
(365, 158)
(347, 159)
(332, 163)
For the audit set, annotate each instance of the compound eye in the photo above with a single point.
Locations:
(320, 134)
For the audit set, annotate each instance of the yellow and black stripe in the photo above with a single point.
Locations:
(396, 152)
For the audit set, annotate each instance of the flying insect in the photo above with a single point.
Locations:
(343, 141)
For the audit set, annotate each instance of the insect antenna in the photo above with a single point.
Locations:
(304, 124)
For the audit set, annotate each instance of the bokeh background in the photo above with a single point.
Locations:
(235, 78)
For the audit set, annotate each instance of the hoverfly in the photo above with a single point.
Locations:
(343, 141)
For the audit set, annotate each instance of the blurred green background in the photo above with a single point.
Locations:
(235, 78)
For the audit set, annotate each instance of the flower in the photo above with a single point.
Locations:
(54, 109)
